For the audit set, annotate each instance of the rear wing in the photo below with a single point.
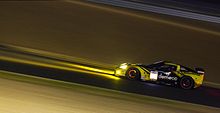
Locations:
(200, 71)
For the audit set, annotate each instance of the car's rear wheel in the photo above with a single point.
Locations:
(186, 82)
(133, 74)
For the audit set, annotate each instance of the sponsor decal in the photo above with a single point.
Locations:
(167, 77)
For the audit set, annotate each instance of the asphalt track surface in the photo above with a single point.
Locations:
(24, 94)
(203, 95)
(130, 36)
(111, 35)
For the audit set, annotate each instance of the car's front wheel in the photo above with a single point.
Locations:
(133, 74)
(186, 82)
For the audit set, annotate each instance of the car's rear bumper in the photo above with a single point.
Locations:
(199, 81)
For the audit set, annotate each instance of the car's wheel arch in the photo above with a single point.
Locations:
(186, 77)
(133, 69)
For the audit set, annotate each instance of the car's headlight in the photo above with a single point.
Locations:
(118, 72)
(123, 66)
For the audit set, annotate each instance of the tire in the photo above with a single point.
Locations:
(186, 82)
(133, 74)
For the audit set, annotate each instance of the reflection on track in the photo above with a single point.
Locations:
(203, 95)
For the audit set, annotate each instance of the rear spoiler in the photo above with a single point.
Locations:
(200, 71)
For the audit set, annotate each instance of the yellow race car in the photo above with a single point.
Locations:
(163, 72)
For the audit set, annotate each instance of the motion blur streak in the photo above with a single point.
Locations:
(147, 18)
(56, 58)
(82, 69)
(52, 55)
(25, 94)
(160, 10)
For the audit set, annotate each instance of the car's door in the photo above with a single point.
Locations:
(166, 73)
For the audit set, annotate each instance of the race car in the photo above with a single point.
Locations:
(163, 72)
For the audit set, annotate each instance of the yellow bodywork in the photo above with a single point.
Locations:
(145, 73)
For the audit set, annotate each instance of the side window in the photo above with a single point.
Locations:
(186, 69)
(167, 68)
(183, 69)
(173, 68)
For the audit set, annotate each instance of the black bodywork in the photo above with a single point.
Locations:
(167, 74)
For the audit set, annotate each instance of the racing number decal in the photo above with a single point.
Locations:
(153, 75)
